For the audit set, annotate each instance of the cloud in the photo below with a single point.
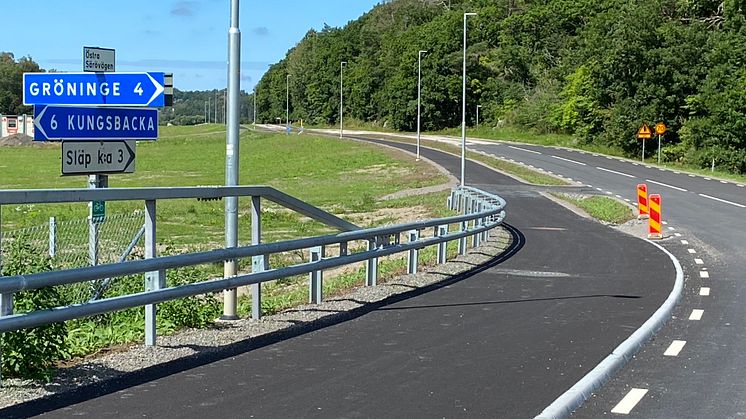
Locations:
(247, 78)
(183, 8)
(260, 31)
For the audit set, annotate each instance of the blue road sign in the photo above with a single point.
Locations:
(68, 123)
(93, 89)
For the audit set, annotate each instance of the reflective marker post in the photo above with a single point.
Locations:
(230, 302)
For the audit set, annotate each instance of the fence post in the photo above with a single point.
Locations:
(462, 240)
(413, 254)
(52, 237)
(258, 263)
(6, 309)
(316, 278)
(442, 231)
(371, 267)
(153, 280)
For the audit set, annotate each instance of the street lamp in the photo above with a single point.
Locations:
(287, 104)
(341, 65)
(419, 94)
(255, 107)
(463, 107)
(478, 106)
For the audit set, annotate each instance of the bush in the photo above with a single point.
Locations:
(31, 353)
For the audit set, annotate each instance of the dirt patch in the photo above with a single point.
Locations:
(21, 140)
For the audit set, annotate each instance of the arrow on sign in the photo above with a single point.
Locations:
(88, 157)
(94, 89)
(69, 123)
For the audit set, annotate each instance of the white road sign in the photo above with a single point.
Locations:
(94, 157)
(98, 59)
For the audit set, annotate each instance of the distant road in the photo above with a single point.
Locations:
(504, 342)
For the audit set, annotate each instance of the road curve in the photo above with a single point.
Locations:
(504, 342)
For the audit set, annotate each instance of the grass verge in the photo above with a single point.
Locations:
(602, 208)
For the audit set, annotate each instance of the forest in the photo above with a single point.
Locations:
(593, 69)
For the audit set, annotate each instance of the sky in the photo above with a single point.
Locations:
(187, 38)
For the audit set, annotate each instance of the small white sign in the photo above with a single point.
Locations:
(95, 157)
(99, 60)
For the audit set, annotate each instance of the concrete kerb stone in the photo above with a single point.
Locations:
(573, 398)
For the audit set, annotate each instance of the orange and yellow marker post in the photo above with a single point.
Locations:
(642, 200)
(654, 223)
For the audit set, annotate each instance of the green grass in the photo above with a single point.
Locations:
(340, 176)
(601, 208)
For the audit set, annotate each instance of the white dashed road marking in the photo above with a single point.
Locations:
(704, 291)
(615, 172)
(629, 401)
(523, 149)
(722, 200)
(699, 261)
(704, 274)
(696, 314)
(675, 348)
(692, 251)
(684, 242)
(666, 185)
(568, 160)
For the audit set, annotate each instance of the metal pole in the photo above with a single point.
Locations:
(341, 65)
(287, 104)
(153, 280)
(463, 106)
(258, 263)
(232, 157)
(659, 149)
(419, 94)
(254, 107)
(643, 150)
(478, 106)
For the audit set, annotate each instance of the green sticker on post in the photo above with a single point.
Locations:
(98, 211)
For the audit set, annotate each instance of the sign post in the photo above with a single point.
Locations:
(660, 129)
(644, 133)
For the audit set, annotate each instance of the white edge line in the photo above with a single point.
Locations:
(604, 371)
(629, 401)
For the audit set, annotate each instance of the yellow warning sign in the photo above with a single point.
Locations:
(660, 128)
(644, 133)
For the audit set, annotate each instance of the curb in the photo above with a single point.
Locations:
(573, 398)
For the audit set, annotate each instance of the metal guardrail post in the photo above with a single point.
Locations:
(413, 254)
(343, 249)
(52, 237)
(258, 263)
(462, 240)
(371, 267)
(153, 280)
(442, 231)
(316, 278)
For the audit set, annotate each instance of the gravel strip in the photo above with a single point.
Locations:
(197, 342)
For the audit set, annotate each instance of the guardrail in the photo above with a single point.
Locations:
(481, 212)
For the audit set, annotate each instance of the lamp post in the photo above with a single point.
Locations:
(287, 104)
(419, 95)
(233, 126)
(463, 107)
(478, 106)
(254, 107)
(341, 65)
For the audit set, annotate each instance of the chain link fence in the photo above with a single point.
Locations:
(70, 245)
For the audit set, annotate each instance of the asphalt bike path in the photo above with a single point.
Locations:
(501, 342)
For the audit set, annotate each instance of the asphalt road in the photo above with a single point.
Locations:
(703, 373)
(503, 342)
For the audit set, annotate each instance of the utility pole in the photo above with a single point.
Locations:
(287, 104)
(341, 65)
(463, 107)
(419, 95)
